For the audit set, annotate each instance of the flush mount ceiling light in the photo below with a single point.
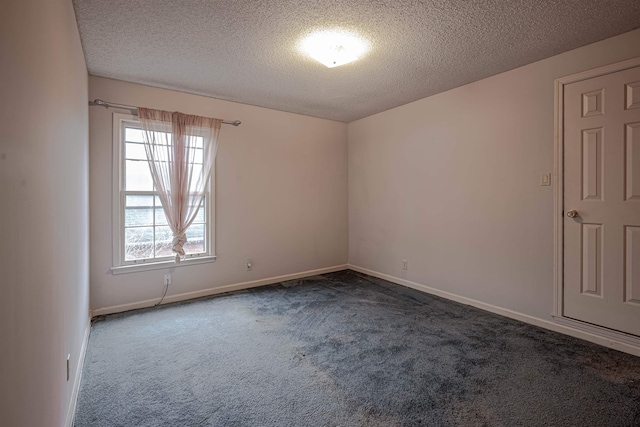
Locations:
(333, 48)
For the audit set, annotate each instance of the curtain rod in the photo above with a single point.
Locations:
(134, 109)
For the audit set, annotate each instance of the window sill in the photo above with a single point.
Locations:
(134, 268)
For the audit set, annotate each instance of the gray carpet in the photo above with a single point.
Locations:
(346, 349)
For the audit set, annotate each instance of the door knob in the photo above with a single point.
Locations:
(572, 213)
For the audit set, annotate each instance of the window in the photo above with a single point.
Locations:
(142, 238)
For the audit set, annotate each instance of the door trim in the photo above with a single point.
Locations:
(558, 220)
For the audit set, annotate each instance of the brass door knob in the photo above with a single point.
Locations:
(572, 213)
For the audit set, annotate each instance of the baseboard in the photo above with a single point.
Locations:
(611, 340)
(71, 410)
(214, 291)
(605, 333)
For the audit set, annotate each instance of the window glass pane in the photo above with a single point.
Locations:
(200, 216)
(135, 200)
(164, 240)
(138, 243)
(135, 151)
(197, 157)
(161, 219)
(138, 210)
(162, 138)
(133, 135)
(138, 176)
(196, 177)
(195, 239)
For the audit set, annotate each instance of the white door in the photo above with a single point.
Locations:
(602, 189)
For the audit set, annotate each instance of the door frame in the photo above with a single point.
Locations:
(558, 208)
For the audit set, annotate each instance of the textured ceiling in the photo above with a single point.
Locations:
(246, 51)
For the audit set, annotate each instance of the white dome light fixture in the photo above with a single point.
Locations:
(333, 48)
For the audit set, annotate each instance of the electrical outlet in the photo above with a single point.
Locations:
(249, 265)
(167, 279)
(68, 366)
(405, 264)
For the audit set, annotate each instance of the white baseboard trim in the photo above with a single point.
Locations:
(605, 333)
(562, 325)
(71, 410)
(214, 291)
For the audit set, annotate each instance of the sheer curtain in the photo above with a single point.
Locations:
(181, 150)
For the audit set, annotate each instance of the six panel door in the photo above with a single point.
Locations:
(602, 190)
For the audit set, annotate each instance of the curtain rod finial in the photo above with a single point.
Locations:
(100, 102)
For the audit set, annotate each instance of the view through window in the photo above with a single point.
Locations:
(147, 237)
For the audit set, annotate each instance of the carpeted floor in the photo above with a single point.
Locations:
(346, 349)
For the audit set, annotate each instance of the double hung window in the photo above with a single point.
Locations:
(141, 233)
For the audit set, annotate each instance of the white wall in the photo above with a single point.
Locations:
(451, 184)
(281, 195)
(45, 210)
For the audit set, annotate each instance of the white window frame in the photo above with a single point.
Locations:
(120, 122)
